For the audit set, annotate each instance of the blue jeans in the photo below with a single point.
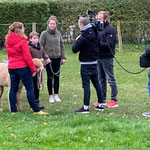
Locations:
(25, 75)
(149, 83)
(89, 72)
(106, 73)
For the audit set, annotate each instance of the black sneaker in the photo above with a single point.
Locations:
(41, 107)
(100, 108)
(38, 103)
(82, 110)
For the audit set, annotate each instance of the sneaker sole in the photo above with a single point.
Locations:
(112, 106)
(83, 112)
(99, 109)
(104, 104)
(51, 102)
(14, 113)
(145, 116)
(41, 114)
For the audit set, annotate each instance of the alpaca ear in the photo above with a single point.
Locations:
(38, 63)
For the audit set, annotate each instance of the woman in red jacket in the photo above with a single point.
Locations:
(20, 66)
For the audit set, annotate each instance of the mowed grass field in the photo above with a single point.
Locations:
(121, 128)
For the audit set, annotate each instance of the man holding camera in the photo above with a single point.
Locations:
(88, 47)
(107, 39)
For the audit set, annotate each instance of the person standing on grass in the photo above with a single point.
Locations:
(88, 47)
(20, 66)
(37, 52)
(107, 41)
(51, 40)
(147, 114)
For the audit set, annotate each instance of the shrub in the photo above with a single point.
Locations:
(67, 11)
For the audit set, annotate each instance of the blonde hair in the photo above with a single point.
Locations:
(52, 18)
(16, 27)
(33, 34)
(105, 14)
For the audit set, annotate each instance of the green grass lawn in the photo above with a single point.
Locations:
(121, 128)
(26, 0)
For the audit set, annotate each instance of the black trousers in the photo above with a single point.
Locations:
(51, 77)
(36, 89)
(89, 72)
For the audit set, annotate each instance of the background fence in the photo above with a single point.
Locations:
(127, 32)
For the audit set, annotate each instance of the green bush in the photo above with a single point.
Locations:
(24, 12)
(125, 11)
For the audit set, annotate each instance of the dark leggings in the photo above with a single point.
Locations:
(55, 64)
(36, 89)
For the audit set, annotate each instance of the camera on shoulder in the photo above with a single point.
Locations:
(79, 16)
(98, 25)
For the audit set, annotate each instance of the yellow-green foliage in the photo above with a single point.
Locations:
(68, 10)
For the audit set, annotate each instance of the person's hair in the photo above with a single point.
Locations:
(16, 27)
(33, 34)
(105, 14)
(84, 21)
(52, 18)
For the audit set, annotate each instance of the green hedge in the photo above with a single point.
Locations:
(24, 12)
(67, 12)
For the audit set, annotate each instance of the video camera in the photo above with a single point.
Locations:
(99, 25)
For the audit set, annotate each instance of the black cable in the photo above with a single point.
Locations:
(119, 62)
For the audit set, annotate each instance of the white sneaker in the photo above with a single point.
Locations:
(146, 114)
(57, 99)
(51, 99)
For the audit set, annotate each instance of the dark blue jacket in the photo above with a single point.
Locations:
(87, 45)
(107, 33)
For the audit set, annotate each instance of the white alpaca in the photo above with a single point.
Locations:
(5, 82)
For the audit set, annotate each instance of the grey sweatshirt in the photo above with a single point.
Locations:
(52, 42)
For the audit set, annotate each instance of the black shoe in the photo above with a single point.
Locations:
(38, 103)
(82, 110)
(41, 107)
(100, 108)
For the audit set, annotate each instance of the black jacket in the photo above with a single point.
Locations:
(147, 51)
(88, 46)
(107, 33)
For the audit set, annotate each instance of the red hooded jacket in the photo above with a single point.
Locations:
(19, 55)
